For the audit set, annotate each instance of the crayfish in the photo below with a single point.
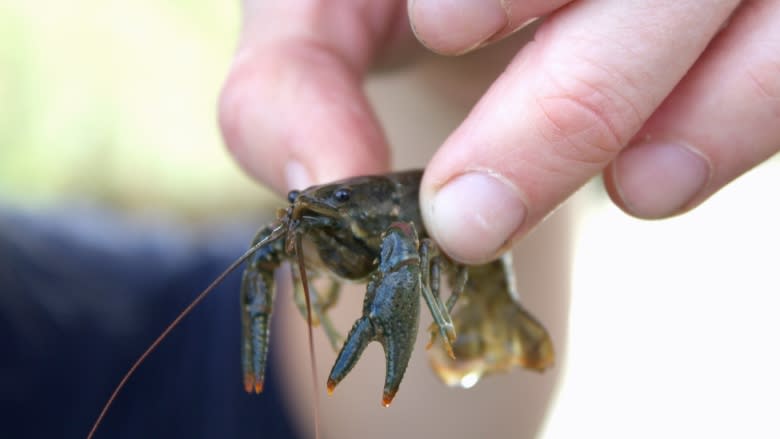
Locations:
(369, 229)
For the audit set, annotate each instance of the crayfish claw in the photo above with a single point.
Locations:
(387, 398)
(361, 334)
(398, 350)
(249, 383)
(253, 385)
(257, 296)
(391, 311)
(331, 386)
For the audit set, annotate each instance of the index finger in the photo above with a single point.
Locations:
(292, 110)
(563, 109)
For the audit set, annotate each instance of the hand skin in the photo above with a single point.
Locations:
(670, 100)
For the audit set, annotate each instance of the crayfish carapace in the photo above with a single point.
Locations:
(369, 229)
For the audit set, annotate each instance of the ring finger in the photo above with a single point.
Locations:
(720, 121)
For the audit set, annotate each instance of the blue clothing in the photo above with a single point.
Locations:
(83, 293)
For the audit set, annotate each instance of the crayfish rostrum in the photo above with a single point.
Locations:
(369, 229)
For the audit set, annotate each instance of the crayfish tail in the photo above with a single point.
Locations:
(542, 359)
(535, 348)
(538, 355)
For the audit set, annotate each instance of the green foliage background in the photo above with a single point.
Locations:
(116, 101)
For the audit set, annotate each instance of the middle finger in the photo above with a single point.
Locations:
(565, 106)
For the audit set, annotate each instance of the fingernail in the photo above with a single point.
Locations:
(655, 180)
(474, 215)
(456, 26)
(297, 176)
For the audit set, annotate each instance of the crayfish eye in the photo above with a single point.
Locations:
(342, 195)
(292, 196)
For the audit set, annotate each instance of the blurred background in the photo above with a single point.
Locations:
(109, 149)
(114, 102)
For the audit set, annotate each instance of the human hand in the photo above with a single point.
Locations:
(693, 87)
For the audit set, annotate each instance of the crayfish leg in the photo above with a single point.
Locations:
(319, 306)
(430, 269)
(532, 346)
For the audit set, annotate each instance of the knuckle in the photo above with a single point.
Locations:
(765, 81)
(589, 118)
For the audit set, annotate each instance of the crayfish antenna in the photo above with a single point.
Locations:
(276, 234)
(305, 282)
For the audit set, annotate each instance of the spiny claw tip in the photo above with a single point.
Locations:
(331, 386)
(252, 385)
(387, 398)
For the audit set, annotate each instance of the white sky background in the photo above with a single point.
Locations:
(674, 324)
